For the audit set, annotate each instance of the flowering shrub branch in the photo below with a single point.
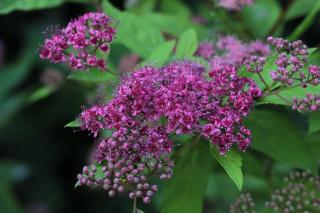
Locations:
(153, 104)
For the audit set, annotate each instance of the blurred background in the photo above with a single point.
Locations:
(39, 158)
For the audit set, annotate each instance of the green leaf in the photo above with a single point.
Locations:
(276, 136)
(299, 8)
(231, 162)
(41, 93)
(306, 23)
(187, 44)
(7, 6)
(176, 8)
(185, 191)
(135, 32)
(11, 105)
(93, 76)
(161, 54)
(289, 94)
(99, 174)
(74, 124)
(140, 7)
(261, 16)
(173, 25)
(314, 122)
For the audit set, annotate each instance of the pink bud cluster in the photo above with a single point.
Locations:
(78, 43)
(235, 52)
(234, 4)
(309, 103)
(255, 64)
(153, 103)
(300, 194)
(291, 64)
(244, 204)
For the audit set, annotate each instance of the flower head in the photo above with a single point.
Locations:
(78, 43)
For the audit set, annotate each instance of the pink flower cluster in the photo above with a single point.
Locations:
(234, 4)
(154, 103)
(78, 43)
(291, 64)
(234, 52)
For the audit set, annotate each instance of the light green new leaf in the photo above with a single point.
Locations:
(187, 44)
(41, 93)
(93, 76)
(231, 162)
(289, 94)
(161, 54)
(261, 16)
(314, 122)
(276, 136)
(74, 124)
(137, 33)
(7, 6)
(185, 191)
(175, 7)
(174, 25)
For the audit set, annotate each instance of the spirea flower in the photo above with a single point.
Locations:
(153, 103)
(300, 194)
(235, 52)
(78, 43)
(234, 4)
(244, 204)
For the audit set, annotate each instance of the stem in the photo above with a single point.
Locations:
(134, 209)
(284, 99)
(265, 83)
(110, 71)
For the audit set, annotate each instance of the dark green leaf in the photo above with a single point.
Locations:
(276, 136)
(186, 190)
(231, 162)
(299, 8)
(306, 23)
(261, 16)
(187, 44)
(314, 122)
